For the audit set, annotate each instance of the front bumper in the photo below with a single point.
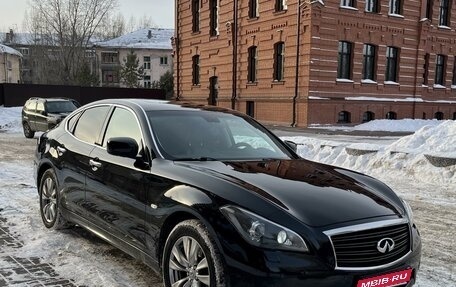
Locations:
(277, 268)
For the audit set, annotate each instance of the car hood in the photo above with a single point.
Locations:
(316, 194)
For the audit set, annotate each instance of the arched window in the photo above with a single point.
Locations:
(391, 116)
(344, 117)
(438, 116)
(368, 116)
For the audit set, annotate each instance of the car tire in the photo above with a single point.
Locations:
(28, 133)
(49, 202)
(192, 256)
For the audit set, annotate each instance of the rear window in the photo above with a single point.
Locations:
(60, 107)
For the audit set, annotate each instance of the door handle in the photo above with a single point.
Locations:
(95, 164)
(61, 150)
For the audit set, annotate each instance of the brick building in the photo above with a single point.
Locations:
(356, 60)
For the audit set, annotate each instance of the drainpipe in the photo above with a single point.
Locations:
(177, 44)
(298, 42)
(235, 53)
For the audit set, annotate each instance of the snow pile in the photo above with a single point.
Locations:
(435, 140)
(10, 119)
(405, 125)
(406, 156)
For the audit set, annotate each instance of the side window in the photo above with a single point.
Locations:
(40, 107)
(90, 123)
(30, 106)
(123, 123)
(72, 122)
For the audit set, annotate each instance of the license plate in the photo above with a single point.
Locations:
(387, 280)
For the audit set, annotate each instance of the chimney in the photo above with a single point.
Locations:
(149, 35)
(9, 36)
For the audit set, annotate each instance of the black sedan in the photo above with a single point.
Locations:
(209, 197)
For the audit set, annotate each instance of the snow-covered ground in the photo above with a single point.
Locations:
(89, 261)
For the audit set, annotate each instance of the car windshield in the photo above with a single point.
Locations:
(60, 107)
(204, 135)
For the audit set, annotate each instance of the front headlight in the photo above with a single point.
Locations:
(408, 211)
(261, 232)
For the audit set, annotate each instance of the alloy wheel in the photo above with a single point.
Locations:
(188, 266)
(49, 200)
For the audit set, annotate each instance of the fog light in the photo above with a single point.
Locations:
(256, 231)
(282, 237)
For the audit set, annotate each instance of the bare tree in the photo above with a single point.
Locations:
(112, 26)
(68, 27)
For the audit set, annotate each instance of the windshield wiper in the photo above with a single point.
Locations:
(203, 158)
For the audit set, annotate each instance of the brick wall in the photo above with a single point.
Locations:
(322, 27)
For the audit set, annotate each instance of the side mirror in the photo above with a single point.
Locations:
(124, 147)
(292, 145)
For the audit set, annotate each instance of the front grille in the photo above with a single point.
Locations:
(359, 249)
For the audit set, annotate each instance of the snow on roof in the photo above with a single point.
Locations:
(148, 38)
(18, 39)
(8, 50)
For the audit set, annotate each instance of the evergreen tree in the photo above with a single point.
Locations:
(165, 83)
(86, 78)
(131, 72)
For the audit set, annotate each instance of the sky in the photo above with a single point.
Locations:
(161, 12)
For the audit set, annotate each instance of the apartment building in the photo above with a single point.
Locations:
(9, 65)
(152, 48)
(346, 62)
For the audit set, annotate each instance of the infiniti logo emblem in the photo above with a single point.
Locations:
(385, 245)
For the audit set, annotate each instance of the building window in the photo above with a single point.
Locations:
(214, 17)
(348, 3)
(146, 63)
(424, 116)
(279, 61)
(250, 108)
(372, 6)
(345, 60)
(429, 9)
(252, 65)
(444, 13)
(147, 82)
(109, 58)
(454, 116)
(453, 82)
(253, 9)
(369, 55)
(344, 117)
(440, 70)
(110, 76)
(426, 69)
(438, 116)
(368, 116)
(392, 56)
(280, 5)
(395, 7)
(163, 60)
(196, 69)
(24, 51)
(196, 15)
(391, 116)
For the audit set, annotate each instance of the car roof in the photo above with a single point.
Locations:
(163, 105)
(51, 99)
